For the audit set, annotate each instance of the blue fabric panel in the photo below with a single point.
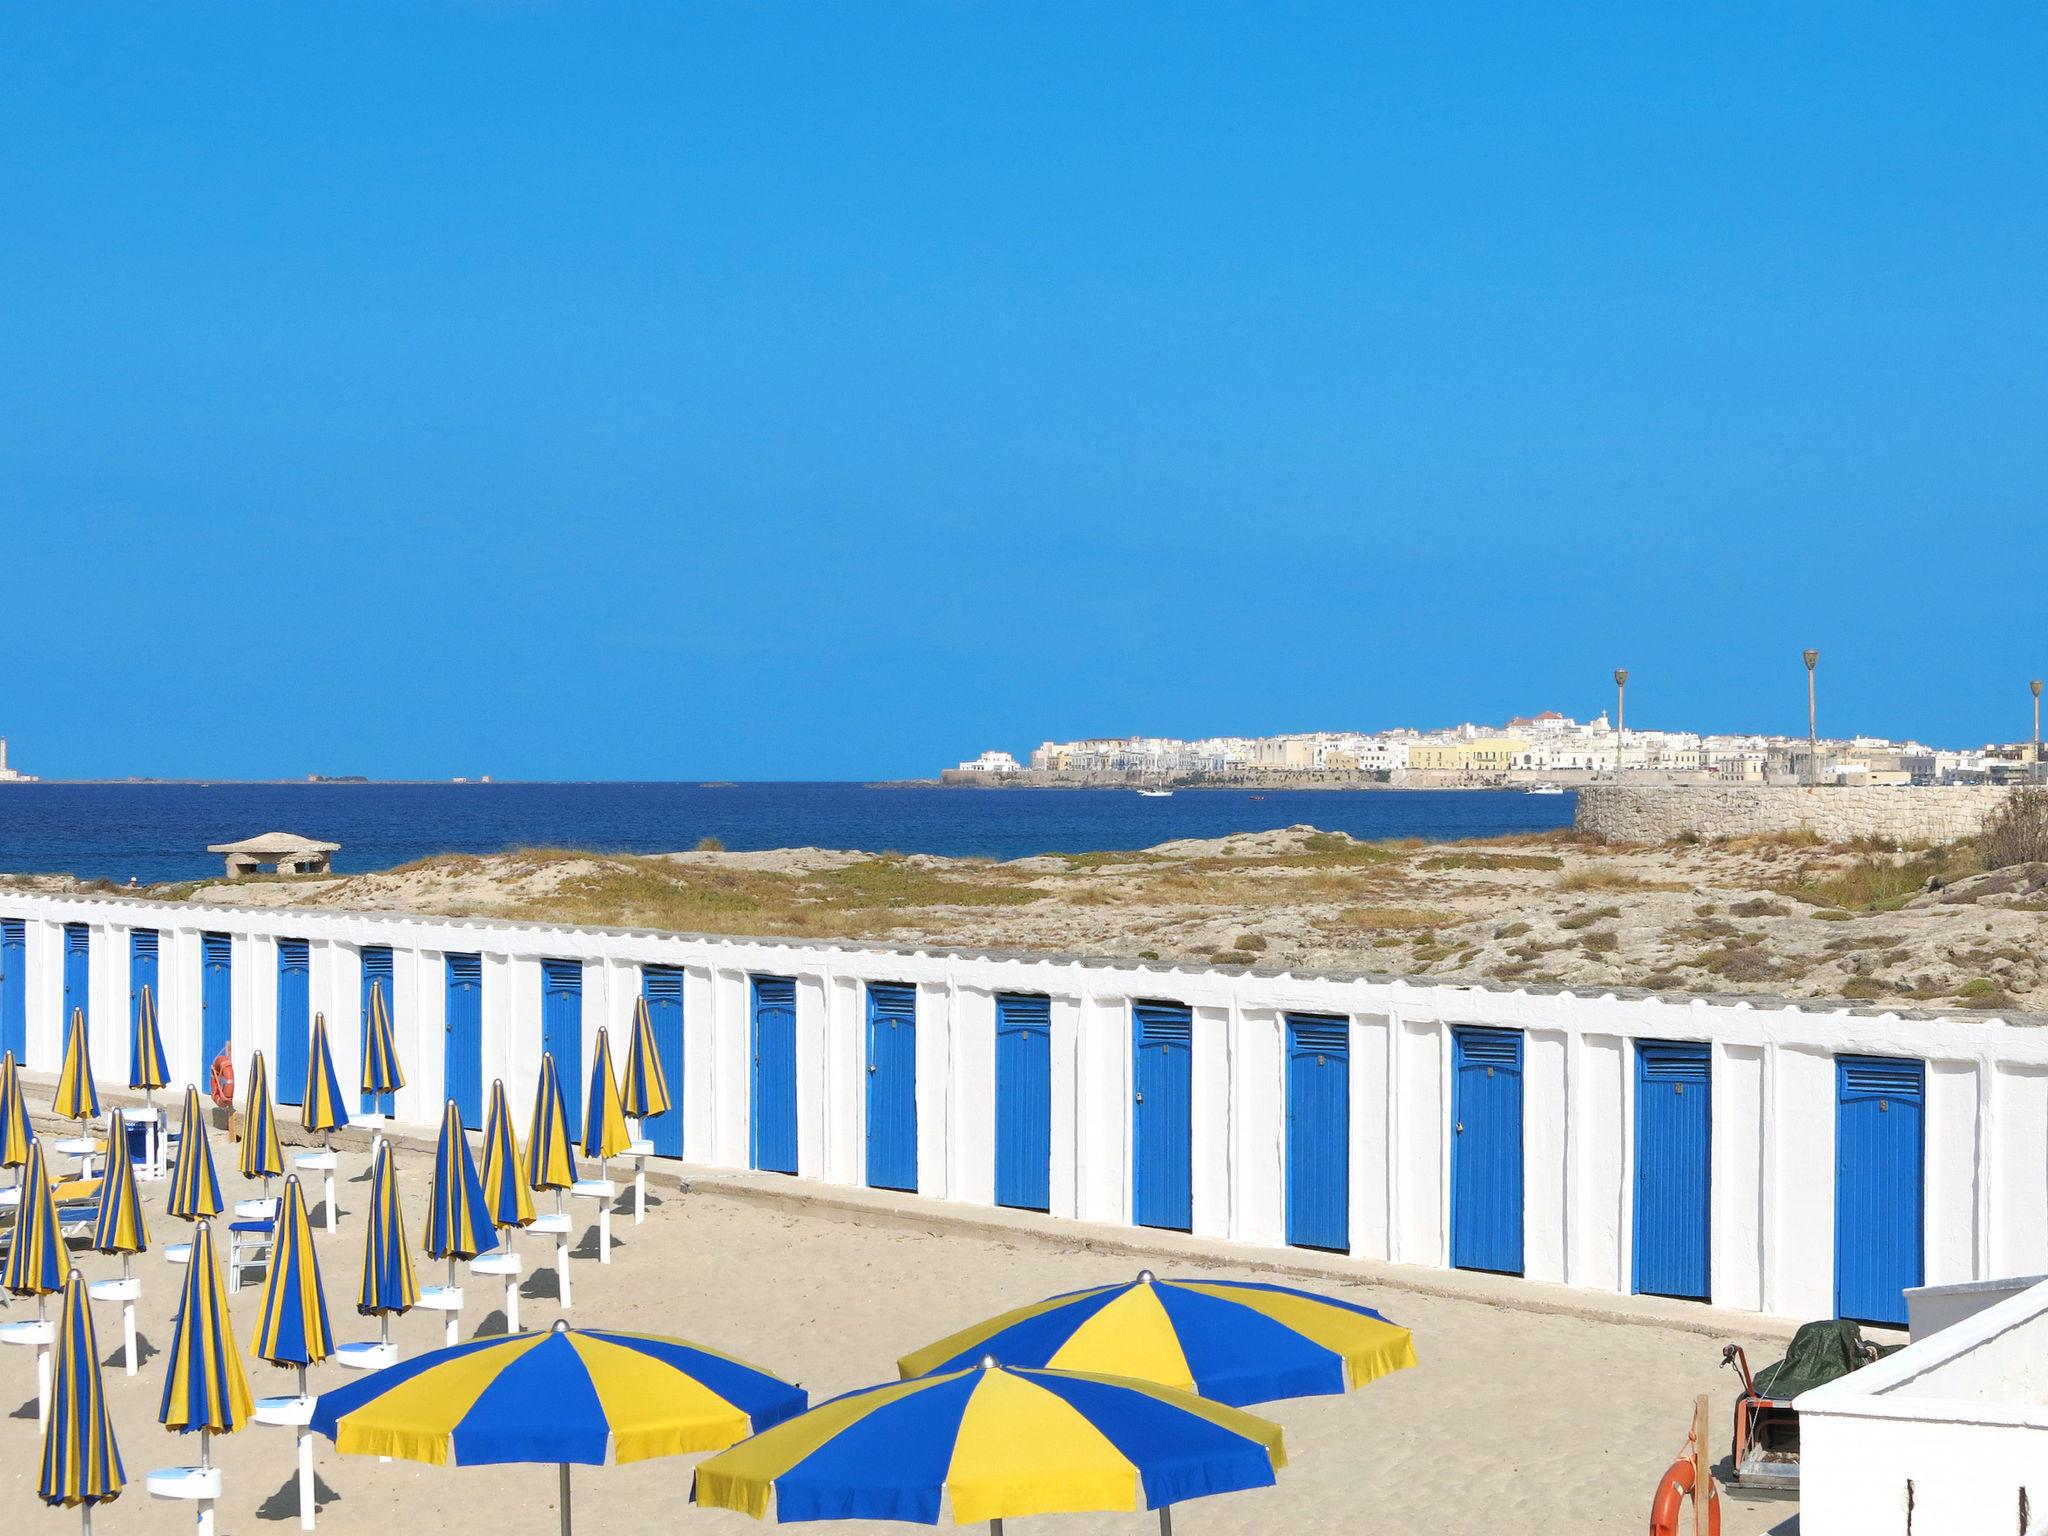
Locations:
(1035, 1340)
(891, 1465)
(541, 1407)
(1178, 1455)
(1217, 1336)
(331, 1407)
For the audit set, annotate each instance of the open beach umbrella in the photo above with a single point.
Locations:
(604, 1113)
(292, 1329)
(81, 1461)
(996, 1442)
(381, 1073)
(550, 1164)
(262, 1157)
(120, 1226)
(322, 1111)
(148, 1068)
(195, 1187)
(36, 1262)
(458, 1219)
(506, 1194)
(389, 1287)
(646, 1085)
(16, 1136)
(205, 1388)
(570, 1396)
(77, 1098)
(1230, 1341)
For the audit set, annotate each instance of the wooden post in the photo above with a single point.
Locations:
(1702, 1488)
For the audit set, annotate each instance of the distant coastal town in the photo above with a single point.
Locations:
(1537, 751)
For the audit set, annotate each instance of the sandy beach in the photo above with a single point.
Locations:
(1515, 1420)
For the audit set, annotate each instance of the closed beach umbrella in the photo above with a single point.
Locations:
(195, 1187)
(205, 1388)
(604, 1114)
(458, 1219)
(148, 1068)
(120, 1226)
(504, 1176)
(1234, 1342)
(16, 1136)
(81, 1461)
(77, 1099)
(381, 1072)
(646, 1086)
(35, 1258)
(570, 1396)
(261, 1157)
(549, 1161)
(996, 1442)
(292, 1330)
(389, 1287)
(321, 1111)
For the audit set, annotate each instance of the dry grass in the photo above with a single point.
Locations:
(1615, 880)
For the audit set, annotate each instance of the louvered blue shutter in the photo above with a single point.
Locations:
(294, 1019)
(1880, 1132)
(14, 987)
(1319, 1131)
(892, 1086)
(773, 1133)
(1673, 1168)
(462, 1041)
(1486, 1150)
(1024, 1101)
(561, 1031)
(662, 986)
(1162, 1042)
(216, 996)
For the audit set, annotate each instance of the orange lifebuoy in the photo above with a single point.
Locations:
(1673, 1489)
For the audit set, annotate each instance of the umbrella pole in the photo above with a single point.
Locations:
(1166, 1520)
(568, 1525)
(302, 1382)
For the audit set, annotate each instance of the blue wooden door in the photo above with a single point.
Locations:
(662, 986)
(1162, 1174)
(561, 1031)
(377, 974)
(14, 987)
(892, 1086)
(1879, 1150)
(1674, 1186)
(142, 972)
(773, 1120)
(1024, 1101)
(294, 1019)
(216, 997)
(77, 973)
(462, 1040)
(1319, 1131)
(1486, 1150)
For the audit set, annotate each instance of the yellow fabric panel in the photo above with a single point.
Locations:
(653, 1408)
(416, 1420)
(1022, 1451)
(743, 1478)
(1132, 1336)
(1236, 1420)
(1370, 1348)
(919, 1361)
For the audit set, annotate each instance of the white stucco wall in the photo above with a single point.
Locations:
(1773, 1068)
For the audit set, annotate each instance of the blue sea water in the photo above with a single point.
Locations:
(158, 832)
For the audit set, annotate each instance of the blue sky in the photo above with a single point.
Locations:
(833, 389)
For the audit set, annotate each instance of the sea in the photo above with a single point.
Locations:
(159, 832)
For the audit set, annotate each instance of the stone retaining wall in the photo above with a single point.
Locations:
(1649, 813)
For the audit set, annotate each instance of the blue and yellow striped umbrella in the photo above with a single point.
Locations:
(81, 1461)
(16, 1135)
(504, 1176)
(571, 1395)
(36, 1261)
(381, 1072)
(1232, 1341)
(293, 1327)
(996, 1442)
(549, 1162)
(77, 1098)
(195, 1187)
(458, 1219)
(646, 1087)
(120, 1226)
(322, 1111)
(148, 1068)
(262, 1156)
(205, 1387)
(604, 1114)
(388, 1283)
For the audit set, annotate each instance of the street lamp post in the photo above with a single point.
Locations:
(2034, 772)
(1812, 659)
(1620, 715)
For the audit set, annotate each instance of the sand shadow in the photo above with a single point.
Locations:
(117, 1358)
(588, 1248)
(494, 1326)
(26, 1411)
(284, 1504)
(542, 1285)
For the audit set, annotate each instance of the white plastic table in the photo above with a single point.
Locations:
(371, 1356)
(447, 1300)
(323, 1163)
(40, 1333)
(604, 1192)
(200, 1485)
(294, 1413)
(84, 1148)
(178, 1253)
(556, 1225)
(127, 1290)
(640, 1150)
(503, 1262)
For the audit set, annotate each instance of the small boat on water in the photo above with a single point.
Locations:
(1156, 794)
(1545, 788)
